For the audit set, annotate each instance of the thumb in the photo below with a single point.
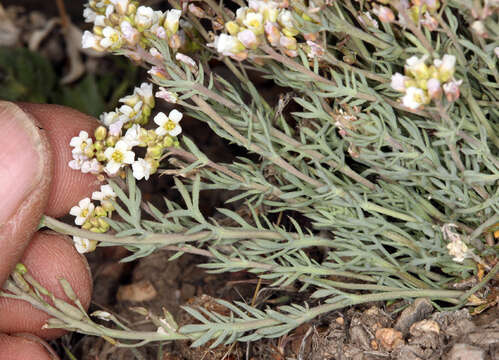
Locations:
(25, 175)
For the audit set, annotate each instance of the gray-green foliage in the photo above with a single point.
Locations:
(376, 197)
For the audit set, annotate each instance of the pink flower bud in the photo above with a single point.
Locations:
(248, 39)
(385, 14)
(273, 33)
(398, 82)
(451, 90)
(434, 89)
(196, 11)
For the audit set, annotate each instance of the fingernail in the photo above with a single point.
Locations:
(20, 165)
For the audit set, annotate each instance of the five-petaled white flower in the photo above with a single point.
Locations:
(168, 124)
(82, 211)
(83, 245)
(117, 156)
(111, 37)
(141, 169)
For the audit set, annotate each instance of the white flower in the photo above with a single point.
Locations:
(115, 127)
(144, 17)
(227, 44)
(145, 92)
(75, 164)
(100, 20)
(445, 67)
(82, 211)
(109, 10)
(132, 136)
(141, 169)
(414, 98)
(120, 5)
(254, 22)
(89, 40)
(285, 19)
(83, 245)
(398, 82)
(106, 192)
(172, 20)
(80, 142)
(131, 113)
(168, 124)
(89, 15)
(457, 248)
(130, 34)
(91, 166)
(117, 156)
(111, 37)
(109, 118)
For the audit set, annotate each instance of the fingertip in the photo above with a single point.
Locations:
(22, 347)
(49, 257)
(61, 124)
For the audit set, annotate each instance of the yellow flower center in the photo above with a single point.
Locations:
(169, 125)
(117, 156)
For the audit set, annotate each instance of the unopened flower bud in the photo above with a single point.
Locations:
(398, 82)
(273, 33)
(248, 39)
(232, 27)
(100, 134)
(434, 89)
(385, 14)
(451, 90)
(479, 28)
(168, 141)
(196, 11)
(288, 42)
(166, 95)
(186, 60)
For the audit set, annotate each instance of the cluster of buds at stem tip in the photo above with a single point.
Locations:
(126, 25)
(419, 11)
(422, 83)
(260, 21)
(113, 146)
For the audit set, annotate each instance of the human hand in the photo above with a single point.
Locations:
(35, 180)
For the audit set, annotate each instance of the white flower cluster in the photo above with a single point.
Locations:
(114, 143)
(91, 217)
(263, 18)
(422, 83)
(122, 24)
